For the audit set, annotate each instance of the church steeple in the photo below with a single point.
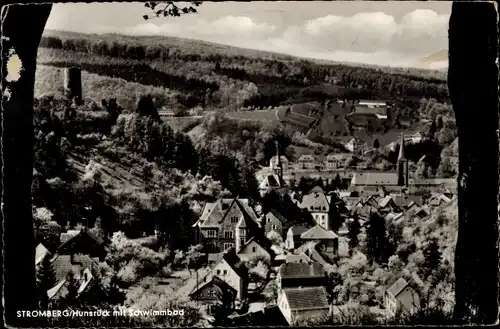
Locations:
(279, 166)
(402, 164)
(401, 156)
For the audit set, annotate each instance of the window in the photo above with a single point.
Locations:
(211, 309)
(254, 249)
(212, 294)
(243, 232)
(275, 227)
(225, 272)
(228, 235)
(218, 272)
(268, 219)
(211, 234)
(228, 246)
(242, 241)
(234, 219)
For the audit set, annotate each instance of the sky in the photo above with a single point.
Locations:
(380, 33)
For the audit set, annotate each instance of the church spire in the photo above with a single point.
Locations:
(402, 164)
(401, 156)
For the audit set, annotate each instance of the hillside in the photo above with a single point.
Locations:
(438, 60)
(226, 77)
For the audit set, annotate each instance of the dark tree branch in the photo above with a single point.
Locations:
(170, 8)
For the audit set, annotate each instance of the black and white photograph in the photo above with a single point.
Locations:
(234, 164)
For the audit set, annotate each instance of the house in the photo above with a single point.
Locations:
(326, 241)
(301, 303)
(81, 242)
(76, 263)
(275, 162)
(387, 204)
(314, 254)
(270, 316)
(227, 223)
(293, 240)
(335, 161)
(213, 292)
(40, 253)
(374, 179)
(82, 267)
(306, 161)
(353, 145)
(394, 217)
(300, 258)
(401, 297)
(421, 212)
(438, 200)
(272, 182)
(230, 270)
(273, 221)
(253, 249)
(318, 206)
(292, 275)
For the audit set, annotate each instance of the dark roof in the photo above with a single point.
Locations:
(298, 230)
(217, 282)
(301, 270)
(306, 298)
(276, 214)
(70, 237)
(233, 261)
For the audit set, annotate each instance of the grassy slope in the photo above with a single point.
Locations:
(49, 80)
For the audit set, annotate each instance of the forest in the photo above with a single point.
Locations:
(220, 79)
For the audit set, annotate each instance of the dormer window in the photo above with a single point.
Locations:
(234, 219)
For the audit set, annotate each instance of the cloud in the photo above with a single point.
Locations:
(226, 29)
(419, 32)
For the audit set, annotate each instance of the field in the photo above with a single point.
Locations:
(257, 115)
(182, 123)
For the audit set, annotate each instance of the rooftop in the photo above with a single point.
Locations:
(306, 298)
(318, 233)
(301, 270)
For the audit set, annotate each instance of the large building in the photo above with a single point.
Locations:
(227, 223)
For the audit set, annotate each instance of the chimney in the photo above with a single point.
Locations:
(73, 84)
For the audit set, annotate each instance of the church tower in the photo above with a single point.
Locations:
(402, 164)
(278, 169)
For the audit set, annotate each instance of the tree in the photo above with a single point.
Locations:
(223, 309)
(46, 279)
(439, 122)
(432, 258)
(354, 230)
(473, 84)
(72, 286)
(376, 239)
(193, 257)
